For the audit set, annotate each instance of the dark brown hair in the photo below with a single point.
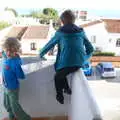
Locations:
(67, 17)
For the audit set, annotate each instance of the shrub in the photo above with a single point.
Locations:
(3, 25)
(103, 54)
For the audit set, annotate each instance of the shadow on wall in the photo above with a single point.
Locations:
(37, 94)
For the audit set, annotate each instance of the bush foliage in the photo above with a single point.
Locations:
(3, 25)
(103, 54)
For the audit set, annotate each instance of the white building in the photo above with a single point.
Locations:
(32, 37)
(26, 21)
(104, 34)
(7, 16)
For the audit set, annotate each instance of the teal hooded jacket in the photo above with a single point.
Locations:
(74, 48)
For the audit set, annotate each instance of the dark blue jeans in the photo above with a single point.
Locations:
(61, 82)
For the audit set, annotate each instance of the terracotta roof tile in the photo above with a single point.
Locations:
(36, 32)
(91, 23)
(16, 31)
(112, 25)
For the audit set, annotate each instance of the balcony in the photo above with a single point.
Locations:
(37, 94)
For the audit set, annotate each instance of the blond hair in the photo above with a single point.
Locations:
(12, 44)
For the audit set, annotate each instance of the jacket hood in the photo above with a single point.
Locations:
(70, 28)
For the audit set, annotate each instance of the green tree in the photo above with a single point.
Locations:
(52, 13)
(45, 15)
(48, 14)
(13, 10)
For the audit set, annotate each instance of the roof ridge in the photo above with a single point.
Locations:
(91, 23)
(21, 33)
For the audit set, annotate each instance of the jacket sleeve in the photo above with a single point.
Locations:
(18, 69)
(49, 45)
(88, 47)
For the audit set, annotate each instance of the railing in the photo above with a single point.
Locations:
(37, 94)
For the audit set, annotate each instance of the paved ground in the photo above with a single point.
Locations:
(107, 93)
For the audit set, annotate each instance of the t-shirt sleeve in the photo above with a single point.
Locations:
(18, 69)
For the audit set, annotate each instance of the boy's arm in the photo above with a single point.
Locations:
(49, 45)
(88, 47)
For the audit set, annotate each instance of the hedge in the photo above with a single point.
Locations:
(3, 25)
(103, 54)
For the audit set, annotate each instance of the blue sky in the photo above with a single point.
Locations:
(91, 12)
(107, 8)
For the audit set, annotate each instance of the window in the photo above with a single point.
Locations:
(33, 46)
(93, 39)
(108, 69)
(118, 43)
(98, 49)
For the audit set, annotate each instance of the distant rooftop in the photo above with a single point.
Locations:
(111, 25)
(16, 31)
(90, 23)
(36, 32)
(29, 32)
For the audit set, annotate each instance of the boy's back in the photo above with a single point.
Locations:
(73, 46)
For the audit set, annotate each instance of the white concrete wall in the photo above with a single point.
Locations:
(37, 95)
(83, 103)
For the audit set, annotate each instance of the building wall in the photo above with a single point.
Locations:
(26, 45)
(40, 43)
(114, 37)
(7, 16)
(101, 34)
(26, 21)
(104, 40)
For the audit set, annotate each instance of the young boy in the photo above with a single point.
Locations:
(73, 50)
(11, 72)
